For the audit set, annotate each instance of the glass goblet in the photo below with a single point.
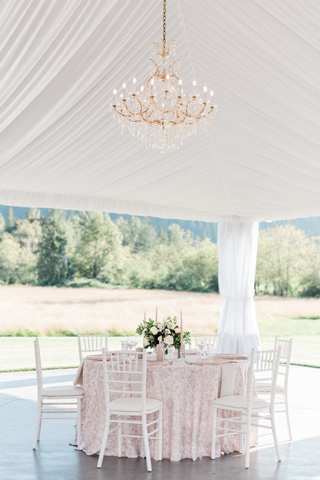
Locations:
(201, 344)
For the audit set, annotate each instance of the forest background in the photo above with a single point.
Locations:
(79, 249)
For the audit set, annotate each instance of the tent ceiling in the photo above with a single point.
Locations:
(60, 146)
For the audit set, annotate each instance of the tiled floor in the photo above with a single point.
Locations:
(56, 460)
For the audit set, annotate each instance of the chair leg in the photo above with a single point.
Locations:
(248, 431)
(146, 442)
(274, 433)
(160, 434)
(287, 415)
(213, 436)
(104, 442)
(78, 424)
(38, 425)
(241, 434)
(119, 439)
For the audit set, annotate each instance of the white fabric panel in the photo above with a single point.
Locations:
(237, 249)
(61, 147)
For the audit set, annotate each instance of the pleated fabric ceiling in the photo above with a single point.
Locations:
(60, 146)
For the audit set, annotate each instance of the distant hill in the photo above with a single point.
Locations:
(310, 225)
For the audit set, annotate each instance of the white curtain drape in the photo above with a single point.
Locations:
(237, 250)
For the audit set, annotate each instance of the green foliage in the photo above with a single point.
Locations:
(9, 259)
(139, 235)
(2, 223)
(98, 249)
(52, 261)
(89, 249)
(11, 219)
(17, 263)
(310, 274)
(282, 255)
(167, 332)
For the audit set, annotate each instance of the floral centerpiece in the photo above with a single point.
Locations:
(167, 331)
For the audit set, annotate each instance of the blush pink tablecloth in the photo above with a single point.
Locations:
(187, 393)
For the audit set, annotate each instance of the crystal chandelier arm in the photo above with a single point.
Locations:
(141, 105)
(157, 72)
(171, 69)
(156, 47)
(199, 114)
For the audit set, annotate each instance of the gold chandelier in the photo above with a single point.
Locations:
(161, 114)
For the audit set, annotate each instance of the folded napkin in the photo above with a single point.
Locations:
(78, 380)
(227, 380)
(231, 356)
(227, 375)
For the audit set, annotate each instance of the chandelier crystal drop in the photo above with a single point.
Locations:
(161, 114)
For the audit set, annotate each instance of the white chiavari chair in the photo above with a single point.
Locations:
(264, 386)
(89, 344)
(250, 408)
(125, 394)
(55, 402)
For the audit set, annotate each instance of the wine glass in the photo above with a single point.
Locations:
(201, 344)
(132, 343)
(124, 345)
(211, 350)
(171, 352)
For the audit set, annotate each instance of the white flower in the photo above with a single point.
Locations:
(154, 330)
(167, 331)
(168, 340)
(160, 339)
(145, 341)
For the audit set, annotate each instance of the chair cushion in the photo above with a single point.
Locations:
(266, 387)
(239, 401)
(134, 404)
(62, 391)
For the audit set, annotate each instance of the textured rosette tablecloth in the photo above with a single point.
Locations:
(187, 393)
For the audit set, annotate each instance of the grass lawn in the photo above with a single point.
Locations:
(17, 353)
(56, 311)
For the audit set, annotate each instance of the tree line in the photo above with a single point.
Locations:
(90, 249)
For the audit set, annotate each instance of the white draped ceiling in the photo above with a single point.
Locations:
(61, 147)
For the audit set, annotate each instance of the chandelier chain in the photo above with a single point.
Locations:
(164, 25)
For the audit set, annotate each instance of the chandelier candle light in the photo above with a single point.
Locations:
(161, 114)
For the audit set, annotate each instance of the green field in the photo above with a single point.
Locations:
(49, 312)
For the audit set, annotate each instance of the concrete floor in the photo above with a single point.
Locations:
(56, 460)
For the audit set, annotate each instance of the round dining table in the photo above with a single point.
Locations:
(187, 391)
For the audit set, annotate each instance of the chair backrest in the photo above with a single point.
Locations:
(124, 375)
(213, 340)
(92, 343)
(266, 366)
(38, 364)
(285, 356)
(265, 363)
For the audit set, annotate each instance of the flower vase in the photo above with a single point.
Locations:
(181, 352)
(159, 353)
